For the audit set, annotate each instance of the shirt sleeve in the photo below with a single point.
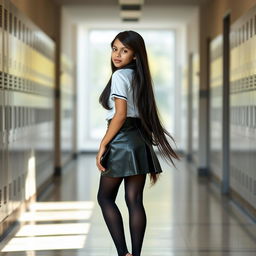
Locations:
(119, 86)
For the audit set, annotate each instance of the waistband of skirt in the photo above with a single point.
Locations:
(129, 121)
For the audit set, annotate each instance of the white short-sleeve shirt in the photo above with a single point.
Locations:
(121, 87)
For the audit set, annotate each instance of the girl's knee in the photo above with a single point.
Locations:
(133, 200)
(100, 199)
(104, 200)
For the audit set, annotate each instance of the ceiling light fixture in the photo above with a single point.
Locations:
(130, 10)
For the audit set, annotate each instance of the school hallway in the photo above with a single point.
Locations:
(55, 62)
(186, 216)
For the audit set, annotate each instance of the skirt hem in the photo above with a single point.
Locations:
(128, 174)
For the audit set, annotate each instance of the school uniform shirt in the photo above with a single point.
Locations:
(121, 87)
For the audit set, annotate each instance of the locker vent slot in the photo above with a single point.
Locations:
(1, 15)
(5, 19)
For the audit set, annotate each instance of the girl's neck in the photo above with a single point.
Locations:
(131, 65)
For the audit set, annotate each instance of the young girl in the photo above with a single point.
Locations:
(126, 151)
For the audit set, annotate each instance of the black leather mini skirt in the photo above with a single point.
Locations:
(129, 152)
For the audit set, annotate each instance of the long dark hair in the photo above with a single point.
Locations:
(145, 100)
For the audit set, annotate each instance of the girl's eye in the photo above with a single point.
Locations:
(123, 51)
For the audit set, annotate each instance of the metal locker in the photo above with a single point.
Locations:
(242, 107)
(6, 173)
(2, 135)
(26, 98)
(216, 106)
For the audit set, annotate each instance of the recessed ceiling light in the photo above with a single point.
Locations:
(130, 14)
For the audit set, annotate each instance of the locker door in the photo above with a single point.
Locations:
(2, 211)
(216, 107)
(2, 148)
(6, 174)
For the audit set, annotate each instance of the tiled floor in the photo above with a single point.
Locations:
(186, 217)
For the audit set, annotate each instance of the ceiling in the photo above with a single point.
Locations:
(154, 13)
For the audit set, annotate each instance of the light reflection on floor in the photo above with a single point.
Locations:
(36, 235)
(67, 205)
(45, 243)
(53, 229)
(56, 216)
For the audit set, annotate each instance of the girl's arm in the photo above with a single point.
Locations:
(114, 126)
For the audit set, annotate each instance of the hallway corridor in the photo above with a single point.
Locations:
(186, 217)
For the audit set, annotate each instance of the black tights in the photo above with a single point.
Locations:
(107, 193)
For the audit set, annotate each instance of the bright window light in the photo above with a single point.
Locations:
(30, 183)
(161, 52)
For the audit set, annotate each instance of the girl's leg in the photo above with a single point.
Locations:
(107, 193)
(134, 186)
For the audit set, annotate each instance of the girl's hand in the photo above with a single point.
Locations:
(98, 157)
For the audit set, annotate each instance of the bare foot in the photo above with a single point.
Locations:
(128, 254)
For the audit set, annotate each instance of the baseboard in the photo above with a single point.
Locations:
(245, 206)
(239, 201)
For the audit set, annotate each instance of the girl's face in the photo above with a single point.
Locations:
(121, 55)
